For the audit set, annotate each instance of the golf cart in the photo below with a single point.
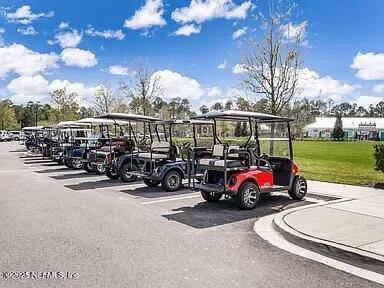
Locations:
(100, 147)
(120, 161)
(258, 161)
(33, 137)
(166, 162)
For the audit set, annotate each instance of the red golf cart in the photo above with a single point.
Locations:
(252, 155)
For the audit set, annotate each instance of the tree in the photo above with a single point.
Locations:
(204, 109)
(7, 115)
(143, 88)
(85, 112)
(105, 99)
(229, 105)
(238, 129)
(217, 106)
(338, 133)
(244, 129)
(65, 105)
(272, 65)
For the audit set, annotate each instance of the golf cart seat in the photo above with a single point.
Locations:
(218, 157)
(160, 151)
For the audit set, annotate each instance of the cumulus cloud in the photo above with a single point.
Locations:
(63, 25)
(78, 57)
(238, 69)
(118, 70)
(25, 16)
(366, 101)
(27, 30)
(313, 85)
(222, 65)
(18, 59)
(239, 33)
(84, 92)
(200, 11)
(291, 31)
(2, 31)
(107, 34)
(28, 88)
(187, 30)
(151, 14)
(67, 39)
(379, 88)
(369, 66)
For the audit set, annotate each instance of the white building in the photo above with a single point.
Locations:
(363, 128)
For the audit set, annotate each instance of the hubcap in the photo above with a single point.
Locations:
(101, 168)
(173, 181)
(76, 163)
(250, 196)
(301, 188)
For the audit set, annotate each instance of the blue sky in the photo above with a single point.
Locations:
(98, 41)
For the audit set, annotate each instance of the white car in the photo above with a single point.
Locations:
(17, 135)
(4, 136)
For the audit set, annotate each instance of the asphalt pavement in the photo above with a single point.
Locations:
(103, 233)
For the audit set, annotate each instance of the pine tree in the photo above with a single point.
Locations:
(244, 131)
(338, 133)
(238, 129)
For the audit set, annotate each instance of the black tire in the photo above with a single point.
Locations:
(123, 172)
(247, 196)
(87, 166)
(299, 188)
(211, 196)
(172, 181)
(76, 164)
(151, 183)
(99, 168)
(111, 173)
(67, 163)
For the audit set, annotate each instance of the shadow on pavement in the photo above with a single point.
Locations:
(95, 184)
(18, 150)
(208, 214)
(61, 169)
(30, 157)
(155, 192)
(73, 176)
(39, 161)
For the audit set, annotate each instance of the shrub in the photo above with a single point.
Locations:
(379, 157)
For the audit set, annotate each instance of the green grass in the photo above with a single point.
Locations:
(338, 162)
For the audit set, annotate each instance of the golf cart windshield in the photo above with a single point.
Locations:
(274, 139)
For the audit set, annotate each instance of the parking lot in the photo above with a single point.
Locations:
(113, 234)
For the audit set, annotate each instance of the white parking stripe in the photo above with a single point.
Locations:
(171, 199)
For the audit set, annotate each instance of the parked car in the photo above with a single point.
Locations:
(17, 135)
(3, 135)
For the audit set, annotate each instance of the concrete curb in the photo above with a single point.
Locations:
(335, 250)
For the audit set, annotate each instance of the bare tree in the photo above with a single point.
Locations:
(273, 64)
(105, 100)
(144, 87)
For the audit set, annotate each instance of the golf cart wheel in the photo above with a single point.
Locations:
(87, 167)
(123, 172)
(248, 196)
(111, 173)
(211, 196)
(67, 163)
(99, 168)
(76, 164)
(151, 183)
(299, 188)
(172, 181)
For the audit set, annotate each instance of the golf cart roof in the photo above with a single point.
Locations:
(128, 117)
(241, 115)
(32, 128)
(184, 121)
(70, 124)
(89, 121)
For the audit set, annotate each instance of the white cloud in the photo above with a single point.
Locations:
(78, 57)
(24, 15)
(222, 65)
(365, 101)
(238, 69)
(313, 85)
(2, 31)
(239, 33)
(63, 25)
(27, 31)
(84, 92)
(118, 70)
(187, 30)
(107, 34)
(200, 11)
(151, 14)
(369, 66)
(18, 59)
(67, 39)
(214, 91)
(28, 88)
(291, 31)
(379, 88)
(177, 85)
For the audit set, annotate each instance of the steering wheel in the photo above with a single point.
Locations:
(186, 145)
(144, 141)
(265, 157)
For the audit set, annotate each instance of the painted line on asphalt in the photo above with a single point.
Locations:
(170, 199)
(263, 227)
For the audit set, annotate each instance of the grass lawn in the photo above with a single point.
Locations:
(339, 162)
